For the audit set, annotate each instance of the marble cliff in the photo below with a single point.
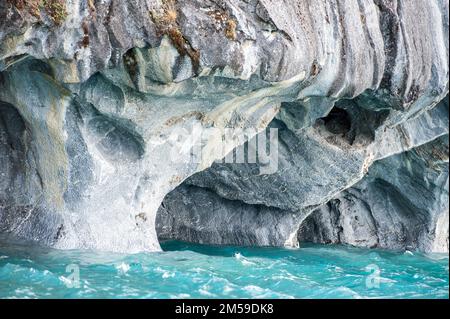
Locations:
(94, 95)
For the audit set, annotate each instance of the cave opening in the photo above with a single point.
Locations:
(337, 121)
(199, 215)
(351, 123)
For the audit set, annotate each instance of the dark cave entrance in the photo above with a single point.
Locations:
(338, 121)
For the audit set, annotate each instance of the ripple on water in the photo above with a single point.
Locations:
(193, 271)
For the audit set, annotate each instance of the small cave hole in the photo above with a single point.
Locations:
(337, 121)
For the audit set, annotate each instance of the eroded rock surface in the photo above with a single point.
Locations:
(400, 203)
(99, 101)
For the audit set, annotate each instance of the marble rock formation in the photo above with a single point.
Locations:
(112, 111)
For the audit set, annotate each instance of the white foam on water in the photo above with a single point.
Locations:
(123, 268)
(244, 260)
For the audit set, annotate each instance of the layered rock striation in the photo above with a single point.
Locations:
(113, 117)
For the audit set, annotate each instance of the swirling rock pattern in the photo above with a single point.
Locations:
(402, 203)
(92, 92)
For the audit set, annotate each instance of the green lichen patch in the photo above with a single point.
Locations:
(165, 19)
(230, 30)
(223, 21)
(28, 6)
(91, 6)
(55, 9)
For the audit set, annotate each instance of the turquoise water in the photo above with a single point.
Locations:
(194, 271)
